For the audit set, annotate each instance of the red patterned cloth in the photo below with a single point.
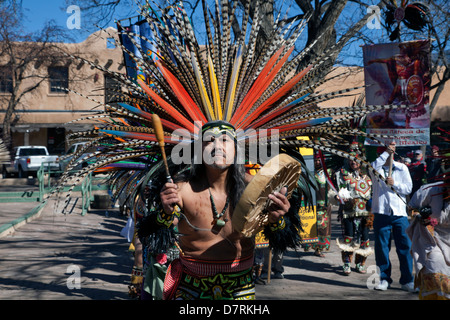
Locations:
(173, 276)
(202, 268)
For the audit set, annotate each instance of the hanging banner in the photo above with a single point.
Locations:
(308, 218)
(308, 234)
(399, 74)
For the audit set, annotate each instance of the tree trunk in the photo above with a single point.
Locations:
(6, 134)
(321, 24)
(10, 110)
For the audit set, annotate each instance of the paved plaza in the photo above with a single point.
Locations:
(42, 255)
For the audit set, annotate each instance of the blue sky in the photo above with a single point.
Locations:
(37, 13)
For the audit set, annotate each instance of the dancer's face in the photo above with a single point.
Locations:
(354, 165)
(218, 150)
(317, 163)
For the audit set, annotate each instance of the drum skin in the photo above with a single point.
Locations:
(251, 215)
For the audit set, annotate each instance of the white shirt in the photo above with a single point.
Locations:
(384, 200)
(432, 195)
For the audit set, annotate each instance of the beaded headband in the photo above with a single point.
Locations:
(219, 127)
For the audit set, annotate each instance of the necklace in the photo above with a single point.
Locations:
(217, 223)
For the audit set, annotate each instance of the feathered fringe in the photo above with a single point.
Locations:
(346, 247)
(364, 252)
(155, 236)
(289, 236)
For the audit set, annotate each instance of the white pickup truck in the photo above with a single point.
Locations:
(26, 160)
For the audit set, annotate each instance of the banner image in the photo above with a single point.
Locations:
(308, 219)
(308, 235)
(398, 73)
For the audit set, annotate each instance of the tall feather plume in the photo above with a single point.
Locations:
(229, 77)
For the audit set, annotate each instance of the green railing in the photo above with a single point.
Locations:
(88, 185)
(41, 179)
(30, 194)
(86, 194)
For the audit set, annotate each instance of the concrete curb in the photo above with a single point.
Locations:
(10, 227)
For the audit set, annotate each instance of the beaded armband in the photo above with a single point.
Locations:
(277, 226)
(136, 274)
(167, 219)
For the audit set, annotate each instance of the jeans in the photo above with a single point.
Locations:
(384, 227)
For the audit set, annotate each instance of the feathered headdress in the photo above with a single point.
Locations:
(414, 15)
(188, 84)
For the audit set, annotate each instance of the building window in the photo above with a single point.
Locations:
(59, 79)
(112, 88)
(110, 43)
(6, 82)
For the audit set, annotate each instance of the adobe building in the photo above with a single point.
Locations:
(42, 115)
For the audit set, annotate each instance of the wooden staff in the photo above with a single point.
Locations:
(159, 132)
(391, 158)
(391, 161)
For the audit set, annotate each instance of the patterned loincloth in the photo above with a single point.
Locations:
(189, 279)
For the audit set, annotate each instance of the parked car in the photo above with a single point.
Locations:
(82, 160)
(27, 160)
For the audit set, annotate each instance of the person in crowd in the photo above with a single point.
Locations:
(323, 209)
(417, 169)
(276, 264)
(391, 218)
(430, 236)
(406, 161)
(258, 266)
(354, 214)
(434, 165)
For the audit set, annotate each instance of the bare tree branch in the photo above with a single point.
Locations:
(19, 51)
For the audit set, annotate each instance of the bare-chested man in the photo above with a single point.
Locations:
(216, 261)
